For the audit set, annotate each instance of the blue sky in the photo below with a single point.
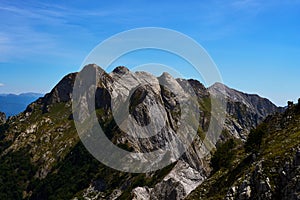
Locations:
(255, 44)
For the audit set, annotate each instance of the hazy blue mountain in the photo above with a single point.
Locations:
(12, 104)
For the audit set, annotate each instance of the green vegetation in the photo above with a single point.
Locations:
(255, 138)
(224, 155)
(72, 171)
(50, 136)
(71, 175)
(273, 144)
(15, 171)
(4, 144)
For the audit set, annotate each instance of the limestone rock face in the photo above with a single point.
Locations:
(154, 118)
(244, 111)
(140, 113)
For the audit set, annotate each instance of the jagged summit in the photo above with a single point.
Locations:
(252, 101)
(239, 125)
(121, 70)
(232, 94)
(199, 88)
(220, 88)
(44, 140)
(62, 92)
(246, 111)
(165, 75)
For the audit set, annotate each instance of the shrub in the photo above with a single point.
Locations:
(224, 155)
(254, 140)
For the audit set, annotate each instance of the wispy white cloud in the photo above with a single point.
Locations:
(42, 28)
(45, 28)
(22, 38)
(1, 84)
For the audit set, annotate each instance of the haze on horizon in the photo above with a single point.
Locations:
(255, 43)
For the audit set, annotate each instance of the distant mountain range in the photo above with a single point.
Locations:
(13, 104)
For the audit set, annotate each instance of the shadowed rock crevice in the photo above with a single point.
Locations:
(137, 109)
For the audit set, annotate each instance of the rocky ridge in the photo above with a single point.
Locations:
(244, 111)
(268, 168)
(45, 135)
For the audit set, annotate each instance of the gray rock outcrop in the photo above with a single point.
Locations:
(154, 114)
(244, 111)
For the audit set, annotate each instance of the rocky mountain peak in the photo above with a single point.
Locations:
(199, 88)
(252, 101)
(165, 76)
(50, 143)
(121, 70)
(169, 82)
(245, 111)
(62, 91)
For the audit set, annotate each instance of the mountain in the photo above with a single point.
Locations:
(42, 156)
(12, 104)
(244, 111)
(266, 167)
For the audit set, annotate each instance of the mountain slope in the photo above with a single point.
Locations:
(267, 167)
(244, 111)
(42, 156)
